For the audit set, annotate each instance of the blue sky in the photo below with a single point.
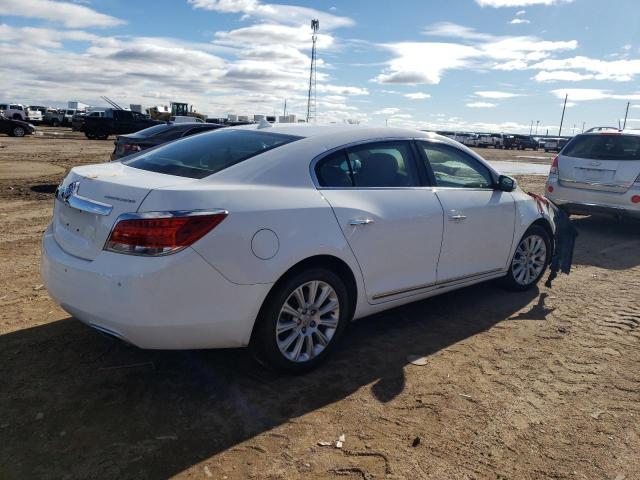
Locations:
(462, 64)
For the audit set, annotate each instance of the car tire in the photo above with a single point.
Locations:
(530, 260)
(18, 132)
(55, 122)
(291, 334)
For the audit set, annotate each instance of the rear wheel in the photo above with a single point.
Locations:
(530, 260)
(302, 321)
(55, 122)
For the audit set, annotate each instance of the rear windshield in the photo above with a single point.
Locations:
(604, 147)
(202, 155)
(151, 131)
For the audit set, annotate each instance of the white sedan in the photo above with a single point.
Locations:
(277, 236)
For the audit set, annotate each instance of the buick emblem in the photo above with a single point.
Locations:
(65, 193)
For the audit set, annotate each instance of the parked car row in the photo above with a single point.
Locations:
(495, 140)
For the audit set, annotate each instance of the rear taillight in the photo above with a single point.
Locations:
(129, 148)
(161, 233)
(554, 166)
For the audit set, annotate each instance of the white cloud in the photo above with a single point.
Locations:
(561, 75)
(408, 65)
(70, 15)
(235, 73)
(587, 94)
(618, 70)
(495, 94)
(287, 14)
(387, 111)
(481, 105)
(454, 30)
(518, 3)
(417, 96)
(520, 12)
(517, 21)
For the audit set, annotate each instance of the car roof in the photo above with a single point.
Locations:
(347, 133)
(610, 133)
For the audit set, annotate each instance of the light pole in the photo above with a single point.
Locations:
(531, 128)
(537, 123)
(562, 118)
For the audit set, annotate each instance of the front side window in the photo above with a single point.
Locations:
(199, 156)
(604, 147)
(453, 168)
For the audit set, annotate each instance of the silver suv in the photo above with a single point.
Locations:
(598, 172)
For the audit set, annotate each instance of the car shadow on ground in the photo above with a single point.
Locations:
(607, 242)
(79, 405)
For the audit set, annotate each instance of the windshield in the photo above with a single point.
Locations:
(202, 155)
(604, 147)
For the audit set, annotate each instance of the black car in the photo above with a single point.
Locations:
(15, 128)
(157, 135)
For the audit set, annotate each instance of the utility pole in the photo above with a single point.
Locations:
(531, 128)
(311, 102)
(285, 108)
(562, 118)
(583, 124)
(625, 116)
(537, 123)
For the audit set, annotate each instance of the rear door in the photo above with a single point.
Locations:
(393, 225)
(605, 161)
(479, 222)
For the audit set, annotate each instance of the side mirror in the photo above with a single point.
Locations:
(506, 184)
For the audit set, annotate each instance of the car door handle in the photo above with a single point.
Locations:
(458, 217)
(360, 221)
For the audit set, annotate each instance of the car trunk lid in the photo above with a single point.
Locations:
(92, 197)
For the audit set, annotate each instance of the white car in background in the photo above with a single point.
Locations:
(277, 236)
(598, 172)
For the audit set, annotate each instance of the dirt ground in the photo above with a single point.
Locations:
(536, 385)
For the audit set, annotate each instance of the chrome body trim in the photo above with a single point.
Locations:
(69, 196)
(442, 284)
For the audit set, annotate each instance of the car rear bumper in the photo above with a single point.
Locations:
(582, 201)
(172, 302)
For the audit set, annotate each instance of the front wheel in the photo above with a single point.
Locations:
(302, 321)
(18, 132)
(530, 260)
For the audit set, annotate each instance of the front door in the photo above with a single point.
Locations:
(479, 221)
(393, 226)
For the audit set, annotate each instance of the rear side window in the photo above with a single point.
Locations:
(334, 170)
(604, 147)
(380, 164)
(199, 156)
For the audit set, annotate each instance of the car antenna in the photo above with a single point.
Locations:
(264, 123)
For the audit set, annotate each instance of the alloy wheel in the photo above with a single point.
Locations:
(307, 321)
(529, 260)
(18, 132)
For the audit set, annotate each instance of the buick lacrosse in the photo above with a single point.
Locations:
(277, 236)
